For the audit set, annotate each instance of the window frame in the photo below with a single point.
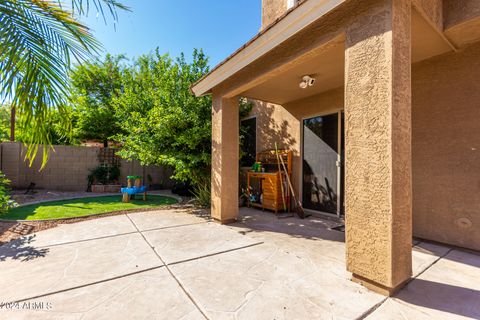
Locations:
(249, 118)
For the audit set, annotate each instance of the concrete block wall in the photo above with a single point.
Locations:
(10, 154)
(160, 175)
(67, 168)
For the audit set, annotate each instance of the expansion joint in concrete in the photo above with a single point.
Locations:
(88, 284)
(121, 234)
(163, 263)
(378, 305)
(170, 271)
(214, 254)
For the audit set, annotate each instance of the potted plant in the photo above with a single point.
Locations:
(104, 179)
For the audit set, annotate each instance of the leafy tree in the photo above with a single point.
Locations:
(95, 87)
(39, 39)
(4, 123)
(165, 124)
(56, 132)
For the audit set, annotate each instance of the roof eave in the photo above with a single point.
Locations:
(294, 20)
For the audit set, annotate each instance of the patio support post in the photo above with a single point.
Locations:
(225, 158)
(378, 185)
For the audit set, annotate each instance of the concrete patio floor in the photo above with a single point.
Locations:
(169, 264)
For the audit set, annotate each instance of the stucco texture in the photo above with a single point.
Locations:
(431, 10)
(225, 154)
(377, 137)
(459, 11)
(446, 148)
(395, 143)
(282, 125)
(271, 10)
(445, 143)
(462, 21)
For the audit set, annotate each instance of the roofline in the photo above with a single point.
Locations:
(290, 23)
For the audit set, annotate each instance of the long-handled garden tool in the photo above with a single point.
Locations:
(298, 206)
(281, 181)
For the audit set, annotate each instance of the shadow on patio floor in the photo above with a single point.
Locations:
(444, 297)
(21, 249)
(313, 228)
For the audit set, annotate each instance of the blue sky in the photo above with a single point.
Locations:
(219, 27)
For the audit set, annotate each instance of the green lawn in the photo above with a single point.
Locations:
(82, 207)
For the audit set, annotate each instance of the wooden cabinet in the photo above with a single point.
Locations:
(268, 185)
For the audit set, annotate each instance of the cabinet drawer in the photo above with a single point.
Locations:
(268, 185)
(269, 196)
(269, 203)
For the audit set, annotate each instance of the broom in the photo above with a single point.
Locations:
(298, 206)
(281, 178)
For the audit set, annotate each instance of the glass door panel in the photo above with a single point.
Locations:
(321, 185)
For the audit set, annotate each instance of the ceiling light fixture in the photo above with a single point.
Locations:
(307, 81)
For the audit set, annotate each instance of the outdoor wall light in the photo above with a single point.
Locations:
(307, 81)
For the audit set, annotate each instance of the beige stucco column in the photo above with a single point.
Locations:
(378, 146)
(225, 158)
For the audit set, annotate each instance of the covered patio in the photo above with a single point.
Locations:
(175, 264)
(360, 55)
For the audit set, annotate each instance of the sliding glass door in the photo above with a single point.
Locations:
(322, 163)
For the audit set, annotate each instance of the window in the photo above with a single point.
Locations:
(248, 142)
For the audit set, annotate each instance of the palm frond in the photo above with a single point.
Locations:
(39, 38)
(82, 7)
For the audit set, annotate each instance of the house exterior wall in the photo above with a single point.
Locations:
(283, 125)
(446, 148)
(377, 99)
(378, 190)
(271, 10)
(323, 104)
(457, 12)
(445, 143)
(462, 21)
(225, 156)
(431, 10)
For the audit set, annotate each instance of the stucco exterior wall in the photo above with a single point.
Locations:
(462, 21)
(431, 10)
(225, 155)
(377, 145)
(459, 11)
(271, 10)
(323, 104)
(283, 124)
(445, 143)
(446, 148)
(378, 126)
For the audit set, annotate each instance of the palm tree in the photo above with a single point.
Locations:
(39, 39)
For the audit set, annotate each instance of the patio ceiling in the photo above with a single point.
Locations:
(327, 66)
(427, 42)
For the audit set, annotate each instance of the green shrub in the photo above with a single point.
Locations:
(5, 201)
(104, 174)
(202, 193)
